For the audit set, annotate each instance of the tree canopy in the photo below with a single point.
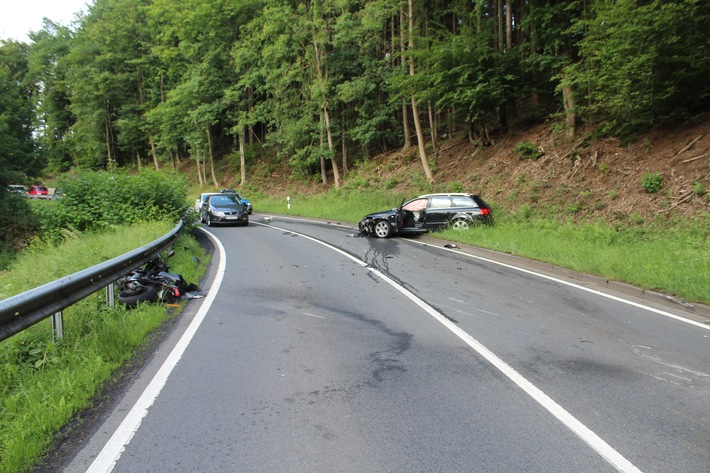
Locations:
(152, 82)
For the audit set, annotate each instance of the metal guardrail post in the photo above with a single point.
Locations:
(111, 295)
(57, 326)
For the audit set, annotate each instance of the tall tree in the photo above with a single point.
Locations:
(18, 156)
(48, 69)
(415, 108)
(644, 63)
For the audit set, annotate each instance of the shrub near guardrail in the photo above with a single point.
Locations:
(96, 200)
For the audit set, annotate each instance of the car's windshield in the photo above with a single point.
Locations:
(415, 205)
(223, 200)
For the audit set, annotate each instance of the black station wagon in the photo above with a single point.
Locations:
(428, 212)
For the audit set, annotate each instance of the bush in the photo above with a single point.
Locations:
(96, 200)
(652, 182)
(527, 150)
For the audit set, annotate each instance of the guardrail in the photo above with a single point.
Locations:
(24, 310)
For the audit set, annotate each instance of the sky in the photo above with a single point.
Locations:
(18, 17)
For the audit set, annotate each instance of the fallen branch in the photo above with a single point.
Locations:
(690, 145)
(693, 159)
(573, 148)
(682, 199)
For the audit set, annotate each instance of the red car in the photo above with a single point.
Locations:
(37, 191)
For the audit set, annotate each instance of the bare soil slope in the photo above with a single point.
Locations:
(583, 179)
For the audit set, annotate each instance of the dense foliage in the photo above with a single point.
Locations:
(151, 82)
(97, 200)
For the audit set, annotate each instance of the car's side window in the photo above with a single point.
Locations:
(440, 202)
(462, 201)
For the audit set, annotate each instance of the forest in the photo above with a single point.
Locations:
(325, 84)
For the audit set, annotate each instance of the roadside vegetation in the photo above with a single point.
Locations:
(45, 383)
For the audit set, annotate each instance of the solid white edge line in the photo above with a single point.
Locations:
(577, 286)
(109, 455)
(583, 432)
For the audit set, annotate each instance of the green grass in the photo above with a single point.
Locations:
(43, 383)
(41, 262)
(342, 205)
(670, 257)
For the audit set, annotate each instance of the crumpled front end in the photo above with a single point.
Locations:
(366, 227)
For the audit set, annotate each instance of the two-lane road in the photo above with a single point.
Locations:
(324, 352)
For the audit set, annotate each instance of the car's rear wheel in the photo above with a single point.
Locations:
(383, 229)
(460, 224)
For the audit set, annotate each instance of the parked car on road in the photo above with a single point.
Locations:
(17, 189)
(202, 199)
(241, 198)
(428, 212)
(38, 192)
(224, 208)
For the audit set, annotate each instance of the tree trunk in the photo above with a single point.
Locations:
(499, 25)
(141, 92)
(242, 157)
(329, 133)
(432, 128)
(508, 25)
(250, 92)
(415, 110)
(200, 179)
(570, 114)
(323, 167)
(405, 114)
(209, 148)
(343, 142)
(152, 150)
(568, 102)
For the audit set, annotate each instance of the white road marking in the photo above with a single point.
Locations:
(578, 286)
(486, 312)
(583, 432)
(106, 460)
(314, 315)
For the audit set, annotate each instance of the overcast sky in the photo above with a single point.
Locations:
(18, 17)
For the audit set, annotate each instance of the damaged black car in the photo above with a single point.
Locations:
(428, 212)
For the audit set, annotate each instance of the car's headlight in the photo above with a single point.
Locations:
(217, 213)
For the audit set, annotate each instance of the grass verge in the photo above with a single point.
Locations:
(672, 257)
(44, 383)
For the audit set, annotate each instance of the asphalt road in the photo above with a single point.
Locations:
(324, 352)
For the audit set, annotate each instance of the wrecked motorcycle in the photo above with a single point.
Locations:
(152, 283)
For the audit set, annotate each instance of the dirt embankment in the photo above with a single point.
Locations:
(581, 179)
